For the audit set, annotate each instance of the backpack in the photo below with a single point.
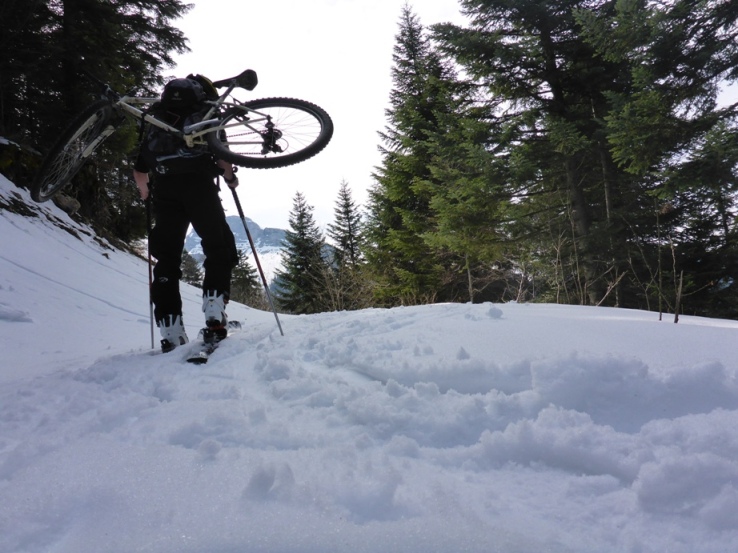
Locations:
(182, 103)
(183, 95)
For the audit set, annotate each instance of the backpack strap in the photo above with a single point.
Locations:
(144, 124)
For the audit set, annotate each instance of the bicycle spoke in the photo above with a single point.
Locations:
(273, 132)
(72, 150)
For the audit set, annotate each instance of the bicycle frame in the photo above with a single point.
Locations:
(258, 134)
(192, 134)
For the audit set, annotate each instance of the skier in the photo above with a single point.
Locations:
(180, 197)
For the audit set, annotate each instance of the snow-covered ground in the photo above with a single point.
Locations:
(444, 428)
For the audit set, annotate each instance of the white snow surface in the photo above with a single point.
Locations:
(441, 428)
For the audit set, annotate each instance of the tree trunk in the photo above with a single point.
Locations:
(581, 222)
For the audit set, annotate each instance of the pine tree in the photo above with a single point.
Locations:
(48, 47)
(301, 284)
(469, 203)
(191, 273)
(548, 94)
(408, 269)
(245, 285)
(346, 229)
(667, 131)
(349, 286)
(24, 43)
(597, 108)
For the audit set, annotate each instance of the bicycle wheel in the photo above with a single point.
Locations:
(272, 132)
(72, 149)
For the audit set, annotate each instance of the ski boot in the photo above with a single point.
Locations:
(172, 332)
(216, 320)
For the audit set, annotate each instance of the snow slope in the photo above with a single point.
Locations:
(443, 428)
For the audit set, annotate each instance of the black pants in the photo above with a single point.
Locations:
(178, 202)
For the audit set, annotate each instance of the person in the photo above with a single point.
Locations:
(180, 200)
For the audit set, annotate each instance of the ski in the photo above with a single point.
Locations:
(211, 339)
(201, 356)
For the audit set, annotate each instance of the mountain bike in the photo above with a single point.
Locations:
(258, 134)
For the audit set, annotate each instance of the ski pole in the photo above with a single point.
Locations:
(151, 276)
(256, 258)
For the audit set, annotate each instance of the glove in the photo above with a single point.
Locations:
(232, 182)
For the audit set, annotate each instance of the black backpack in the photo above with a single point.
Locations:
(182, 103)
(183, 95)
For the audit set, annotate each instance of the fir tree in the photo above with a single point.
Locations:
(469, 203)
(349, 286)
(346, 229)
(245, 285)
(602, 107)
(668, 133)
(301, 284)
(48, 49)
(531, 56)
(408, 269)
(191, 272)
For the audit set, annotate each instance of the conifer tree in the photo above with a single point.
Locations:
(531, 56)
(48, 49)
(349, 286)
(468, 203)
(668, 132)
(601, 107)
(245, 285)
(346, 229)
(191, 272)
(399, 208)
(301, 283)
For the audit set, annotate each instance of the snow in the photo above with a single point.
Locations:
(441, 428)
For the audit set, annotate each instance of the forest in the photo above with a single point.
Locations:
(566, 151)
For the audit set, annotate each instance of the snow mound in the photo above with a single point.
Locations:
(443, 428)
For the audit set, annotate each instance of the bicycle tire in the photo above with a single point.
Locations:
(301, 130)
(72, 150)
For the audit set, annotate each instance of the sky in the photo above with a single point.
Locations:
(334, 53)
(448, 428)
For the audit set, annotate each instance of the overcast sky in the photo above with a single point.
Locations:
(334, 53)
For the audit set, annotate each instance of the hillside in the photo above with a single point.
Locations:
(442, 428)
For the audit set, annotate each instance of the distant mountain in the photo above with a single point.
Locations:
(268, 242)
(263, 238)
